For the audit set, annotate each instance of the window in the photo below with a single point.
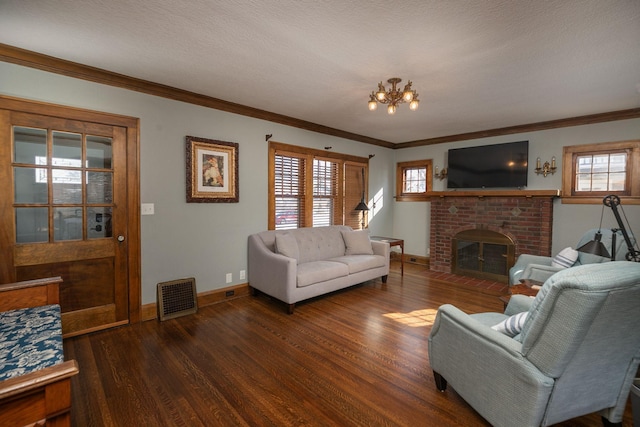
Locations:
(289, 190)
(413, 180)
(313, 188)
(593, 171)
(325, 191)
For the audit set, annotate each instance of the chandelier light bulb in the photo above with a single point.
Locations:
(373, 105)
(413, 105)
(391, 109)
(407, 93)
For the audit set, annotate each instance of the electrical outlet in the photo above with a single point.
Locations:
(229, 277)
(147, 209)
(243, 274)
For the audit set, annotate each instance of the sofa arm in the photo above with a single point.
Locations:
(382, 249)
(42, 395)
(268, 271)
(30, 293)
(40, 378)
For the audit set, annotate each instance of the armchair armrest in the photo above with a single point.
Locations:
(517, 271)
(539, 272)
(518, 304)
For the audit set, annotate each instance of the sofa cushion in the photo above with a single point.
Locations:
(357, 242)
(358, 263)
(287, 245)
(319, 243)
(30, 339)
(320, 271)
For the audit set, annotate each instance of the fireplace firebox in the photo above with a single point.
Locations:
(484, 254)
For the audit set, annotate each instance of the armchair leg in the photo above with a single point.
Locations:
(441, 383)
(384, 278)
(607, 423)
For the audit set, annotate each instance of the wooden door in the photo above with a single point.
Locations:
(65, 213)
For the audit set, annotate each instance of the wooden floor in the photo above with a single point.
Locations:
(353, 358)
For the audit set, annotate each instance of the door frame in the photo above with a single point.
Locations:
(132, 125)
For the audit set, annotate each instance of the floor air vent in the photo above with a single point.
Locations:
(177, 298)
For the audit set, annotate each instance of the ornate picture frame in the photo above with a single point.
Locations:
(212, 171)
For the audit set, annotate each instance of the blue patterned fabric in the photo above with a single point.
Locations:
(30, 339)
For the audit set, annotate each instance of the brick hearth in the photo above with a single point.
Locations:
(528, 221)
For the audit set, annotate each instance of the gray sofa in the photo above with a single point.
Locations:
(295, 265)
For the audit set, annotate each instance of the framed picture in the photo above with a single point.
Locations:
(212, 171)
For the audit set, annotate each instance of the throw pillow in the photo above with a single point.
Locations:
(357, 242)
(566, 258)
(511, 326)
(286, 245)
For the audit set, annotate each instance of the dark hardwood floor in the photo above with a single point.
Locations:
(353, 358)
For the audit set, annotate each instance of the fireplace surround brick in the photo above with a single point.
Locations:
(528, 221)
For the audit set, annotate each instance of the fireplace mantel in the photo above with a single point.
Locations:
(495, 193)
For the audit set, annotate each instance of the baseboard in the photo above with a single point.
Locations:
(411, 259)
(150, 311)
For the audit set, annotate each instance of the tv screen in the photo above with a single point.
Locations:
(489, 166)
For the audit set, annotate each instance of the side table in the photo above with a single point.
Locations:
(392, 241)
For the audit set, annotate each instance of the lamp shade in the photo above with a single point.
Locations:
(362, 206)
(595, 247)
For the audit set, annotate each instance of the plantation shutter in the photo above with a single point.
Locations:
(353, 194)
(326, 209)
(289, 191)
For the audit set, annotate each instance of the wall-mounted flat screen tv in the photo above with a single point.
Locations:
(489, 166)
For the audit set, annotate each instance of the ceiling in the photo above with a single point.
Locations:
(476, 65)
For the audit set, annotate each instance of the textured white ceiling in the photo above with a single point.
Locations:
(477, 65)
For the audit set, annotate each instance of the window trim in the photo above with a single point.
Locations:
(309, 154)
(401, 167)
(633, 173)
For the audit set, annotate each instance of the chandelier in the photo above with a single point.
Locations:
(394, 96)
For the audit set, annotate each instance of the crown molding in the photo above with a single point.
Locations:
(51, 64)
(611, 116)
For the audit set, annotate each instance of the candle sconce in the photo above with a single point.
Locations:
(440, 175)
(547, 168)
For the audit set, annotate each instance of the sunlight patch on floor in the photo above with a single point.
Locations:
(415, 318)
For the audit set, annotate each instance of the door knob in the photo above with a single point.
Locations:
(121, 238)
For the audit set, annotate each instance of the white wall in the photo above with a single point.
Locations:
(570, 221)
(203, 240)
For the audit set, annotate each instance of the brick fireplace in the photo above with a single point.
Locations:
(526, 220)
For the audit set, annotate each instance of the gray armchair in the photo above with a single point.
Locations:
(577, 353)
(539, 268)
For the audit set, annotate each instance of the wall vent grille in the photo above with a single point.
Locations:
(177, 298)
